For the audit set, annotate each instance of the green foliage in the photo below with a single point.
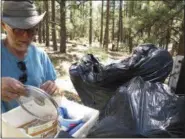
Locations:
(78, 22)
(154, 18)
(143, 21)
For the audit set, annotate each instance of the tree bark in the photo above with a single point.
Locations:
(130, 44)
(40, 29)
(120, 28)
(181, 49)
(44, 27)
(106, 38)
(101, 32)
(130, 39)
(47, 23)
(71, 36)
(63, 27)
(90, 24)
(53, 26)
(113, 10)
(167, 38)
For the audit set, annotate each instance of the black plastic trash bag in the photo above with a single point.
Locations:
(91, 95)
(142, 109)
(96, 83)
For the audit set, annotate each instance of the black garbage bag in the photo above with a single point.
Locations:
(96, 83)
(151, 63)
(142, 109)
(91, 95)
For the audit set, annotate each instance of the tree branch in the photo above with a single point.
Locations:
(156, 20)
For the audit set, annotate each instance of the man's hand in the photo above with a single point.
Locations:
(50, 87)
(11, 88)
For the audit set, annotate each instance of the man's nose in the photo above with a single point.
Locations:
(25, 34)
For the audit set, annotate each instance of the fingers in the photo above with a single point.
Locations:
(7, 96)
(18, 88)
(45, 86)
(49, 86)
(11, 95)
(11, 88)
(53, 89)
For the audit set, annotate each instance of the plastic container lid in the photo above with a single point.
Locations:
(39, 104)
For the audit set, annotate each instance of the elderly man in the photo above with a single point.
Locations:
(22, 62)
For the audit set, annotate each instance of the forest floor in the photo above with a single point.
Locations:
(74, 53)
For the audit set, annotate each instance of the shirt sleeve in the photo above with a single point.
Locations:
(49, 71)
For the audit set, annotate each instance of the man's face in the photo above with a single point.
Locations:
(19, 39)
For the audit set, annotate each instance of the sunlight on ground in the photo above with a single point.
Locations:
(66, 84)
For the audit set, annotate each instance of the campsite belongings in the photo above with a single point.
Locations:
(41, 106)
(67, 123)
(20, 123)
(96, 83)
(47, 113)
(142, 109)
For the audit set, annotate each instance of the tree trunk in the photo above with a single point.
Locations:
(174, 46)
(120, 28)
(47, 23)
(83, 18)
(113, 43)
(71, 20)
(168, 34)
(90, 24)
(149, 31)
(126, 9)
(106, 38)
(40, 29)
(53, 26)
(181, 49)
(167, 38)
(43, 32)
(44, 27)
(180, 89)
(101, 32)
(118, 33)
(130, 39)
(121, 22)
(63, 27)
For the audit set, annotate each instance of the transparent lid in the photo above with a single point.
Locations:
(39, 104)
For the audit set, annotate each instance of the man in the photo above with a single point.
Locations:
(22, 62)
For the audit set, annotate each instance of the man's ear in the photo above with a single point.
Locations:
(3, 26)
